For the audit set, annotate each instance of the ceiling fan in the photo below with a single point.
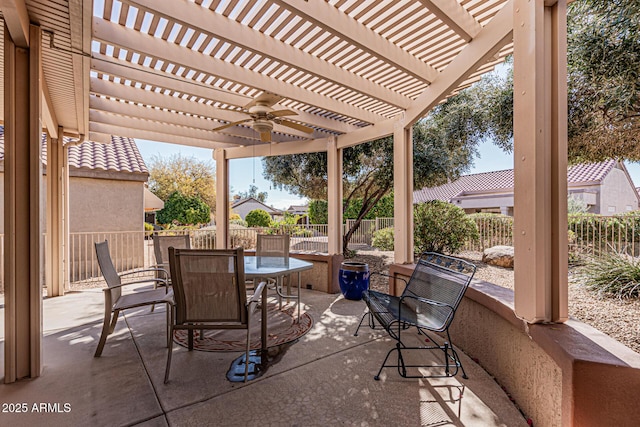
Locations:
(262, 117)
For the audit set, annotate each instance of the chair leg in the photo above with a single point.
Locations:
(371, 322)
(169, 353)
(114, 320)
(190, 339)
(247, 355)
(106, 330)
(384, 363)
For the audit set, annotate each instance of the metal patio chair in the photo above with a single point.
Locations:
(210, 293)
(273, 250)
(115, 301)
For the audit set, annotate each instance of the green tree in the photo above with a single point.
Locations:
(184, 210)
(441, 227)
(258, 218)
(186, 175)
(441, 152)
(603, 86)
(318, 212)
(253, 192)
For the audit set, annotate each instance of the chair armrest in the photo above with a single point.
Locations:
(257, 294)
(427, 301)
(162, 282)
(387, 275)
(146, 270)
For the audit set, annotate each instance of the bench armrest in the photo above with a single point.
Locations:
(426, 301)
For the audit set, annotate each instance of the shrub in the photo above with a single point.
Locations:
(442, 227)
(318, 212)
(184, 210)
(239, 221)
(258, 218)
(383, 239)
(148, 228)
(611, 274)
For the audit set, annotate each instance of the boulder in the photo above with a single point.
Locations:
(502, 256)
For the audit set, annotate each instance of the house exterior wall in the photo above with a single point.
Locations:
(110, 206)
(617, 194)
(247, 207)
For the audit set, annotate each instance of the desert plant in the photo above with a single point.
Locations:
(383, 239)
(258, 218)
(611, 274)
(442, 227)
(148, 228)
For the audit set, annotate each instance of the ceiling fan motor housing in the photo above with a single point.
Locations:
(260, 125)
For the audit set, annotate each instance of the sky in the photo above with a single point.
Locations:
(245, 172)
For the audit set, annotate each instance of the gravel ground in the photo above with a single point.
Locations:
(620, 319)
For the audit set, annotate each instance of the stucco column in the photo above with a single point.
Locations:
(222, 198)
(334, 197)
(540, 161)
(22, 219)
(55, 216)
(403, 193)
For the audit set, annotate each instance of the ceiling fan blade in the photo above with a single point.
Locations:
(228, 125)
(282, 113)
(296, 126)
(267, 98)
(265, 136)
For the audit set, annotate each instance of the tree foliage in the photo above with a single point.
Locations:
(258, 218)
(186, 175)
(184, 210)
(441, 152)
(603, 86)
(254, 193)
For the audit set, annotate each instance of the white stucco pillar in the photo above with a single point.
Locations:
(22, 219)
(222, 198)
(540, 161)
(403, 193)
(334, 197)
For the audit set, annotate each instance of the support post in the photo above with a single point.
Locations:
(55, 216)
(403, 193)
(66, 228)
(23, 228)
(222, 198)
(540, 161)
(334, 196)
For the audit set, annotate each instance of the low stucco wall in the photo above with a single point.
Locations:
(559, 374)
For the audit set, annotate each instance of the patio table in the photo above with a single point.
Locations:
(267, 268)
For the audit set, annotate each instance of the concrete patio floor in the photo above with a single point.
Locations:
(323, 379)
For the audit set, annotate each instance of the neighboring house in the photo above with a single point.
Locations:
(605, 187)
(303, 211)
(243, 206)
(106, 194)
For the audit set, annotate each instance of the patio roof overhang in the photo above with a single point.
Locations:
(351, 70)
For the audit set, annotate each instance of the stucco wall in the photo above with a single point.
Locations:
(617, 192)
(105, 205)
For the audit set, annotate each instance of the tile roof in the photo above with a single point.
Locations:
(500, 181)
(121, 155)
(267, 208)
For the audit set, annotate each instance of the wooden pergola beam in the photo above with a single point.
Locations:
(455, 17)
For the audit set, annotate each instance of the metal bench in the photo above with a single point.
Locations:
(428, 302)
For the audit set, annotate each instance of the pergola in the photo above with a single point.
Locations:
(351, 70)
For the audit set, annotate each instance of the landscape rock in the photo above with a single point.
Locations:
(501, 256)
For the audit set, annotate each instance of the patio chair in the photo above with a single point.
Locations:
(273, 250)
(115, 301)
(429, 302)
(161, 245)
(210, 293)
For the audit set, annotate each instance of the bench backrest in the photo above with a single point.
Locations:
(442, 279)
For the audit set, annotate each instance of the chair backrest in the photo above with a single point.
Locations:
(209, 286)
(161, 245)
(272, 250)
(106, 264)
(439, 278)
